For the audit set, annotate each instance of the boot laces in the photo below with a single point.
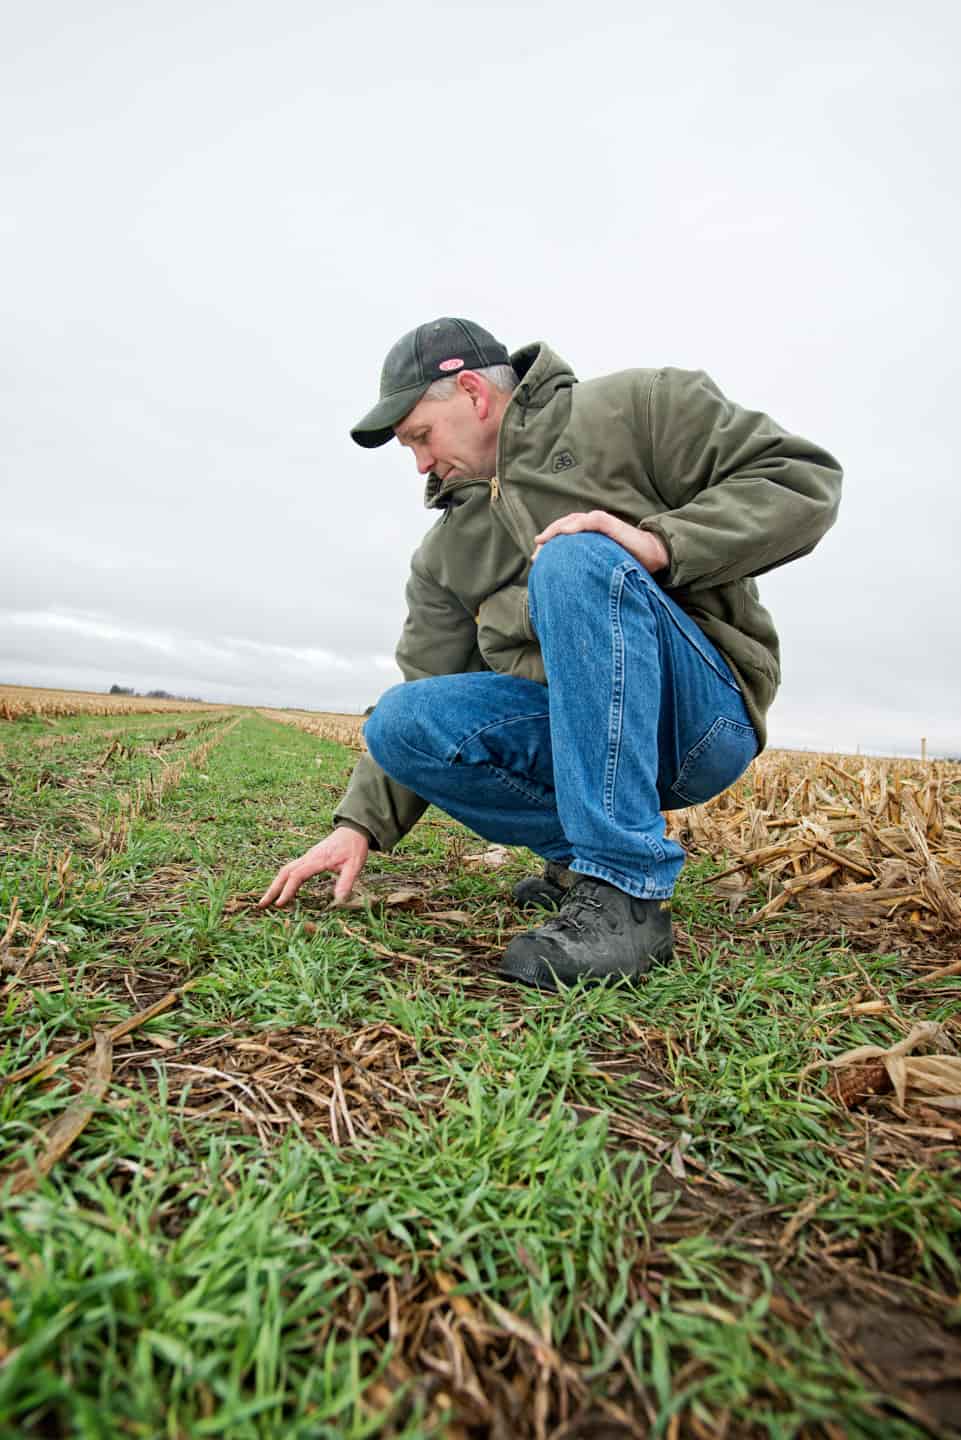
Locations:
(582, 911)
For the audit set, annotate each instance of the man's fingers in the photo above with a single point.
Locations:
(566, 525)
(292, 885)
(344, 850)
(572, 524)
(559, 527)
(273, 889)
(285, 884)
(345, 880)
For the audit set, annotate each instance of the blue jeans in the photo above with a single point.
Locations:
(640, 714)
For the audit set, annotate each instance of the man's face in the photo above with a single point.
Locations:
(450, 437)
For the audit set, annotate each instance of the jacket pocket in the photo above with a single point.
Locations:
(505, 636)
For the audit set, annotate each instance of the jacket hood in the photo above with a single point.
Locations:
(542, 374)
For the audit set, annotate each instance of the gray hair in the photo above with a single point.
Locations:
(502, 377)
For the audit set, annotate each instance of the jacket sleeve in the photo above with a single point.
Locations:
(746, 495)
(439, 638)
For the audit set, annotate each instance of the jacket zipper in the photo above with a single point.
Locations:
(508, 513)
(515, 522)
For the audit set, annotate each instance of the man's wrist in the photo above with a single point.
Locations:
(341, 824)
(658, 553)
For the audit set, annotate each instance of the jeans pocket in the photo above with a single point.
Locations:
(716, 761)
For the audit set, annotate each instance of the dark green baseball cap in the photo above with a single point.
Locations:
(435, 351)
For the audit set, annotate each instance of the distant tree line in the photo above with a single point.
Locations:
(151, 694)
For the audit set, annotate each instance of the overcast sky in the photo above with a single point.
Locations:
(215, 218)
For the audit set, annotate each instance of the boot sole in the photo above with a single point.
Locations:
(532, 970)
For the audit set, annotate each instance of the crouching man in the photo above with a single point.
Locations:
(584, 645)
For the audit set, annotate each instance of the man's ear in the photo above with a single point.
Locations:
(479, 391)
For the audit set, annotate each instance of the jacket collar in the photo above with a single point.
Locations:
(541, 373)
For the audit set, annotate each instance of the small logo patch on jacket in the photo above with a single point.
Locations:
(563, 460)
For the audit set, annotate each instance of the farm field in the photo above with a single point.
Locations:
(319, 1173)
(20, 701)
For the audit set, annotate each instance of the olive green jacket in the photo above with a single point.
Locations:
(729, 492)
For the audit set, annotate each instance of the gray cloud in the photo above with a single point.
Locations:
(42, 647)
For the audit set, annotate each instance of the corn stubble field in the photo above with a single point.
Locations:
(320, 1174)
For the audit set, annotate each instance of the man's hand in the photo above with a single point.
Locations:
(645, 547)
(344, 851)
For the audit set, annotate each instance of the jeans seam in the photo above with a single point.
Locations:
(665, 606)
(494, 725)
(616, 711)
(503, 775)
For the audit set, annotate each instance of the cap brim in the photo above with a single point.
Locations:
(377, 427)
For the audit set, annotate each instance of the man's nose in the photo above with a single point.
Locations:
(425, 463)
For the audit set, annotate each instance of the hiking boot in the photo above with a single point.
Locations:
(598, 931)
(547, 890)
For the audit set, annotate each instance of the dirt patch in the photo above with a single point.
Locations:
(910, 1356)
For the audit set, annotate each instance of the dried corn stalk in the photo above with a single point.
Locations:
(342, 729)
(872, 1069)
(865, 842)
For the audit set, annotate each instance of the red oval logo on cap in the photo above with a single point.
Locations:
(451, 365)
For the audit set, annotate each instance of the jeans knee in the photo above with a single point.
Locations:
(571, 562)
(561, 562)
(388, 721)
